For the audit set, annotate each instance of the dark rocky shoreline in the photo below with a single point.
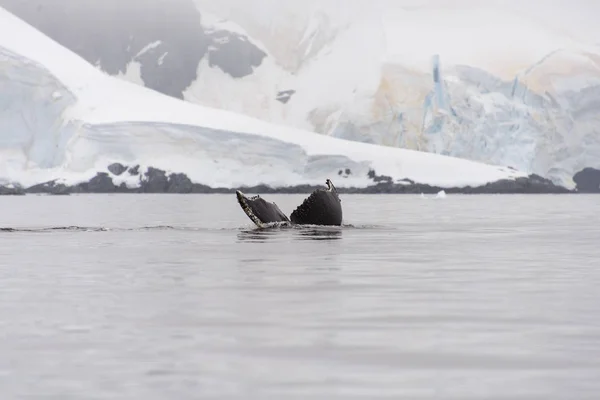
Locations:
(157, 181)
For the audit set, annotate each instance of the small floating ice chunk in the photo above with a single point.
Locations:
(56, 95)
(440, 195)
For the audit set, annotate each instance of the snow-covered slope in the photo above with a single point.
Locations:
(63, 118)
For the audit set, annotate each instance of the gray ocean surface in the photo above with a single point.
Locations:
(180, 297)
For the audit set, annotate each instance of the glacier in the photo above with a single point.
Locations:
(523, 93)
(507, 84)
(64, 120)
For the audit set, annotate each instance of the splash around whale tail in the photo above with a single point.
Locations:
(322, 207)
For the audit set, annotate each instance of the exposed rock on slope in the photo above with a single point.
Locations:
(162, 42)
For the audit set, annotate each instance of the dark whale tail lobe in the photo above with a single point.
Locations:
(322, 207)
(261, 212)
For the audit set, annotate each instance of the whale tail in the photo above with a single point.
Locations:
(260, 211)
(322, 207)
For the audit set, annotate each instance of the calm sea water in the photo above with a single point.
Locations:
(179, 297)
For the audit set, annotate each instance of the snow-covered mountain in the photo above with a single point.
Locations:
(64, 119)
(510, 85)
(489, 84)
(160, 44)
(503, 82)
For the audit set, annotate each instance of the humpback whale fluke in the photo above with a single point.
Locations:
(322, 207)
(259, 210)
